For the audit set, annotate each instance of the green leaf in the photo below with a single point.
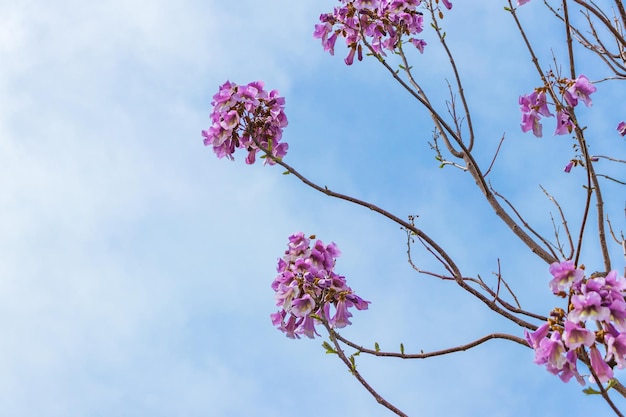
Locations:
(591, 391)
(329, 348)
(286, 173)
(376, 347)
(357, 353)
(612, 383)
(402, 348)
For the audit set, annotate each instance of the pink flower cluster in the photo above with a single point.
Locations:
(246, 116)
(599, 300)
(535, 105)
(306, 287)
(381, 23)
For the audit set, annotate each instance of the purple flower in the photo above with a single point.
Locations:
(533, 106)
(569, 369)
(290, 328)
(530, 121)
(616, 282)
(564, 124)
(522, 2)
(537, 336)
(616, 346)
(420, 44)
(599, 366)
(621, 128)
(551, 352)
(307, 327)
(447, 3)
(303, 306)
(565, 275)
(350, 58)
(618, 313)
(247, 117)
(588, 306)
(569, 166)
(306, 287)
(575, 335)
(382, 23)
(321, 32)
(342, 315)
(581, 88)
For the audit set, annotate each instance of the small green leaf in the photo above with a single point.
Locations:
(376, 347)
(329, 348)
(357, 353)
(591, 391)
(402, 348)
(286, 173)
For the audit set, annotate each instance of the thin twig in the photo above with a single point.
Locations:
(494, 157)
(563, 221)
(525, 223)
(379, 399)
(442, 352)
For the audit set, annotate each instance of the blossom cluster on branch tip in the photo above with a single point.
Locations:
(382, 23)
(307, 287)
(247, 117)
(535, 104)
(597, 300)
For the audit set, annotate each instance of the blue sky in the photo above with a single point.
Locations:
(135, 267)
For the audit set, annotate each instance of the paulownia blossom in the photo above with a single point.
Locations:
(597, 300)
(580, 88)
(380, 23)
(535, 105)
(621, 128)
(307, 288)
(246, 116)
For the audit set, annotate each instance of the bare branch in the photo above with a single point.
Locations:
(563, 222)
(460, 348)
(494, 157)
(379, 399)
(526, 225)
